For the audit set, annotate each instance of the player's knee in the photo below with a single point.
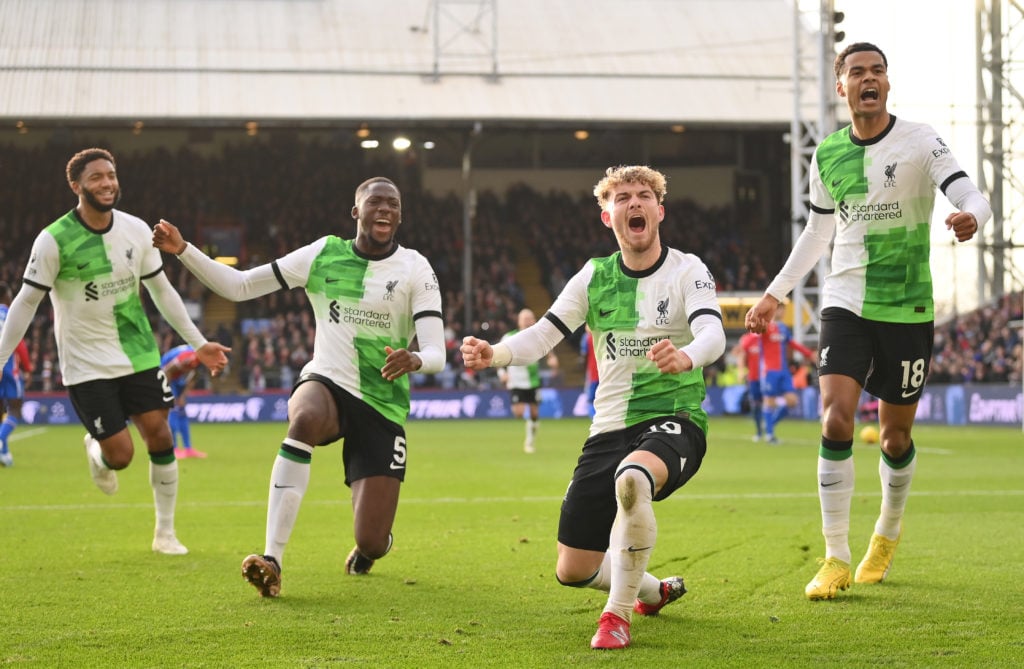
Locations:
(573, 578)
(632, 484)
(837, 424)
(894, 440)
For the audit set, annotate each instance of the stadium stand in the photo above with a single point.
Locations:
(527, 243)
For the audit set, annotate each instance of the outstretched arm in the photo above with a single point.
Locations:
(226, 281)
(19, 317)
(168, 302)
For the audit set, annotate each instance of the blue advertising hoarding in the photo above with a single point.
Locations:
(949, 405)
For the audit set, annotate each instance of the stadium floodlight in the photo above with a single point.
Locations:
(369, 144)
(838, 35)
(428, 145)
(401, 143)
(581, 135)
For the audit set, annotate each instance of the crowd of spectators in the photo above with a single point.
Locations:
(279, 195)
(981, 346)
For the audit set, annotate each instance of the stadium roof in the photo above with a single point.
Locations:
(209, 61)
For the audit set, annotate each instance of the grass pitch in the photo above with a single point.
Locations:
(470, 582)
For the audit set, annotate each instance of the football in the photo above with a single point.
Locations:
(869, 434)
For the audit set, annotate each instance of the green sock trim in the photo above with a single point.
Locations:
(831, 449)
(163, 457)
(829, 454)
(295, 456)
(907, 458)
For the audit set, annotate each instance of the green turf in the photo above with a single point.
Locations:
(470, 582)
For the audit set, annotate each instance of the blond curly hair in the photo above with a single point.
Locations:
(615, 176)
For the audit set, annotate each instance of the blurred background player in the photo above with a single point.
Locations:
(523, 383)
(179, 364)
(748, 353)
(776, 379)
(12, 391)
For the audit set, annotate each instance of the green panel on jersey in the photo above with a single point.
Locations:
(841, 165)
(612, 296)
(390, 398)
(83, 255)
(899, 281)
(657, 394)
(337, 272)
(135, 335)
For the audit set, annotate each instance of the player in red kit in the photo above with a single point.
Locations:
(748, 352)
(776, 379)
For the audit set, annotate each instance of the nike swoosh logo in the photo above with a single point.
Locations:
(829, 485)
(169, 482)
(908, 393)
(83, 266)
(330, 280)
(278, 485)
(836, 182)
(902, 485)
(603, 313)
(637, 550)
(619, 636)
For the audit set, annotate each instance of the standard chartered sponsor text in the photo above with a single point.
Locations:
(885, 211)
(635, 346)
(367, 317)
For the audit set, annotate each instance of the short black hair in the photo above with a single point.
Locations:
(78, 162)
(840, 63)
(362, 188)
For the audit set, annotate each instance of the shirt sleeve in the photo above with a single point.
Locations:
(229, 282)
(19, 317)
(43, 262)
(703, 314)
(170, 305)
(812, 244)
(426, 312)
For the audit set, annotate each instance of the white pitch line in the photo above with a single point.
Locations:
(681, 497)
(23, 433)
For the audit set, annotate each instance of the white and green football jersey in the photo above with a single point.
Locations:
(882, 192)
(93, 277)
(362, 305)
(628, 312)
(522, 377)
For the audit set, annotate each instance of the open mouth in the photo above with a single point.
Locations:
(637, 223)
(869, 94)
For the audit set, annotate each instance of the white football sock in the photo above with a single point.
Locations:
(96, 453)
(603, 578)
(650, 586)
(895, 490)
(164, 481)
(632, 539)
(288, 482)
(835, 490)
